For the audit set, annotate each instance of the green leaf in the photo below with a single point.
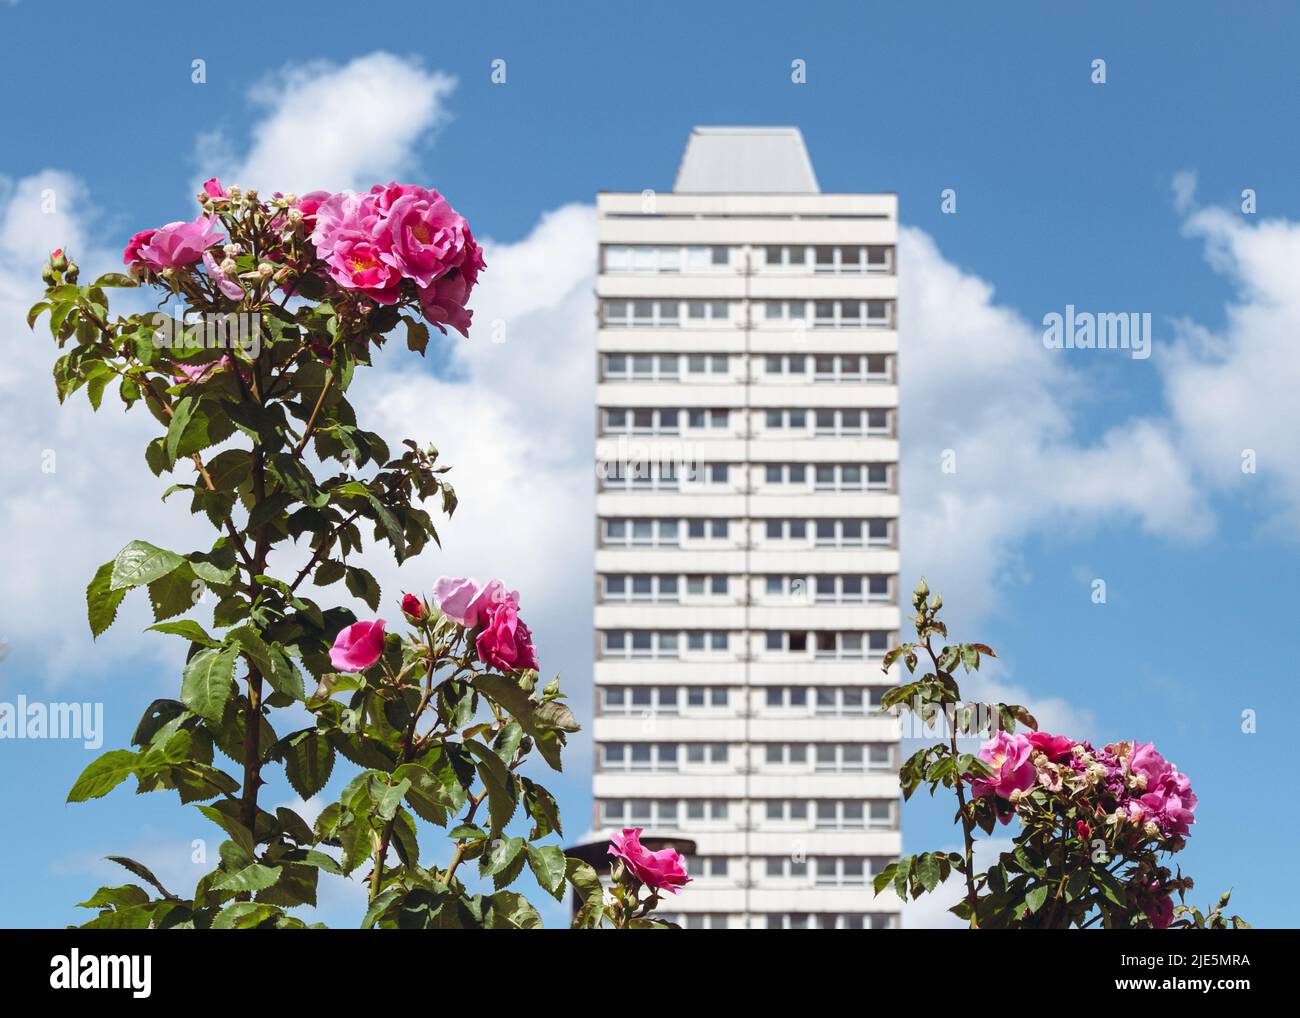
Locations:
(272, 662)
(181, 414)
(104, 774)
(499, 854)
(392, 529)
(140, 563)
(547, 864)
(250, 878)
(209, 680)
(1035, 898)
(361, 584)
(102, 601)
(244, 915)
(511, 910)
(189, 629)
(308, 763)
(500, 783)
(591, 893)
(173, 594)
(927, 871)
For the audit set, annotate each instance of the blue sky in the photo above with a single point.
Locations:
(1075, 465)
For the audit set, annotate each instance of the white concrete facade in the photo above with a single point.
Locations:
(746, 535)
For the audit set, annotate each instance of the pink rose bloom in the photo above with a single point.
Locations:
(226, 284)
(213, 189)
(427, 238)
(664, 870)
(1159, 908)
(412, 606)
(1008, 757)
(1055, 747)
(308, 205)
(350, 241)
(131, 253)
(465, 601)
(504, 642)
(179, 244)
(358, 646)
(1171, 810)
(200, 372)
(444, 302)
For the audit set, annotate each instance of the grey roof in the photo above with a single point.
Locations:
(746, 160)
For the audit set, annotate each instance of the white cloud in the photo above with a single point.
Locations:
(977, 380)
(1233, 389)
(333, 127)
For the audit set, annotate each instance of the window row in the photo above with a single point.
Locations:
(823, 533)
(822, 645)
(819, 814)
(819, 588)
(824, 701)
(826, 871)
(791, 422)
(650, 367)
(797, 314)
(826, 258)
(837, 259)
(828, 646)
(672, 367)
(664, 258)
(669, 475)
(830, 757)
(822, 758)
(830, 314)
(783, 920)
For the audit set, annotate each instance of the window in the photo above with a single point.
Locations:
(787, 697)
(851, 646)
(878, 368)
(711, 473)
(700, 641)
(641, 367)
(644, 812)
(707, 530)
(640, 756)
(707, 867)
(834, 871)
(640, 699)
(641, 476)
(713, 420)
(699, 311)
(642, 421)
(708, 364)
(785, 754)
(785, 364)
(640, 587)
(793, 312)
(785, 868)
(839, 814)
(706, 809)
(780, 642)
(640, 643)
(641, 533)
(642, 313)
(777, 257)
(620, 258)
(707, 696)
(786, 530)
(786, 811)
(708, 586)
(707, 754)
(785, 473)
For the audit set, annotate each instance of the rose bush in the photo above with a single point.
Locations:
(1095, 825)
(284, 299)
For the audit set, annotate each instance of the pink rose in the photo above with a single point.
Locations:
(177, 244)
(504, 641)
(427, 238)
(444, 302)
(1159, 907)
(413, 606)
(464, 600)
(131, 253)
(1055, 747)
(308, 205)
(358, 646)
(664, 870)
(225, 283)
(350, 241)
(1008, 757)
(213, 189)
